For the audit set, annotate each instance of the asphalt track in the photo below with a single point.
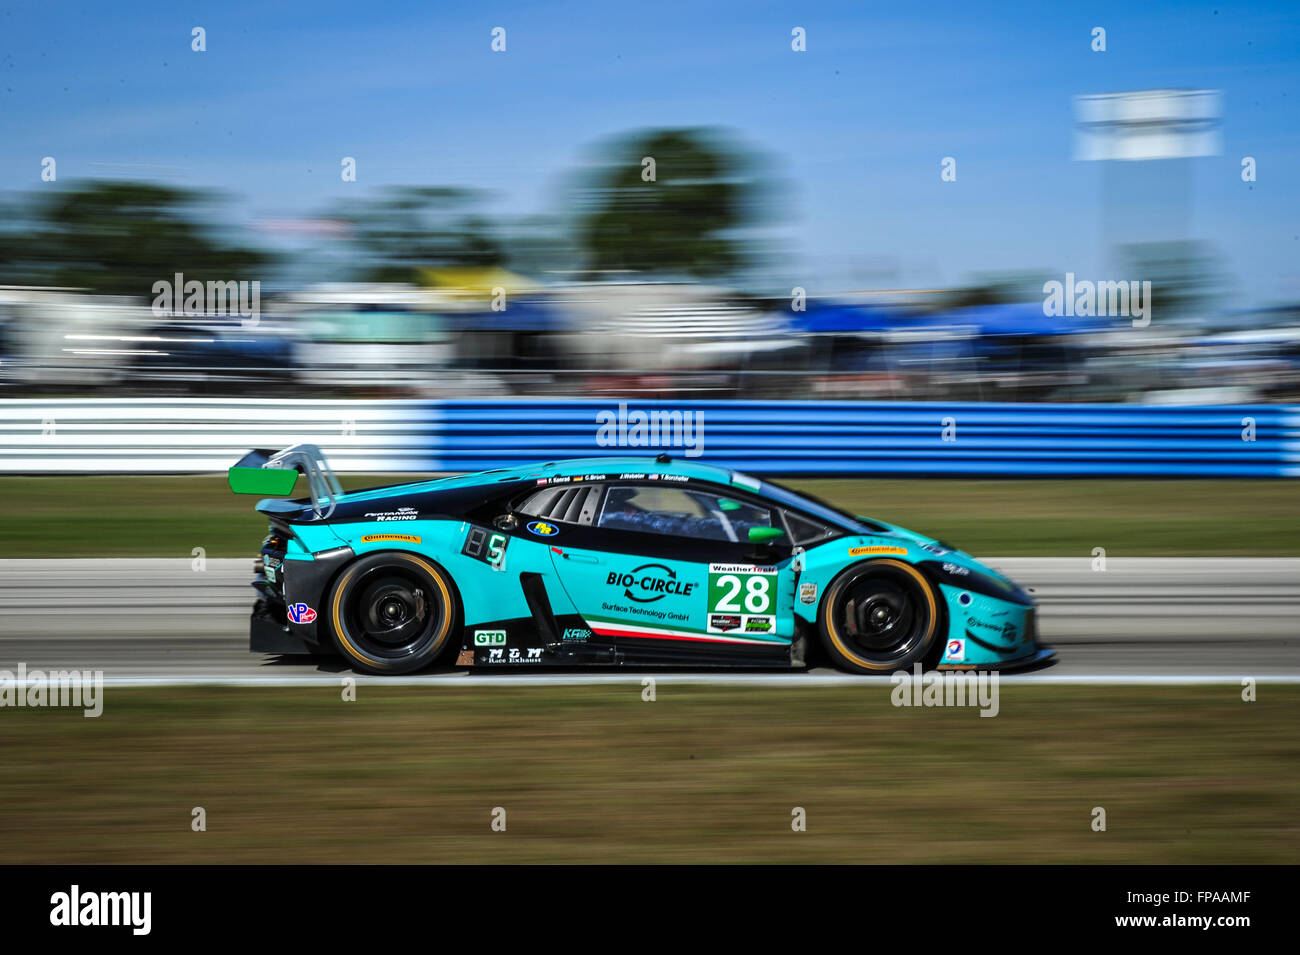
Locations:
(1142, 620)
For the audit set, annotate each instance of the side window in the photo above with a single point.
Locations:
(805, 530)
(681, 512)
(564, 503)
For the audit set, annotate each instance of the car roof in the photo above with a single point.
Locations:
(608, 468)
(612, 467)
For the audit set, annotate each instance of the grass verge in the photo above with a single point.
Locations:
(167, 516)
(593, 774)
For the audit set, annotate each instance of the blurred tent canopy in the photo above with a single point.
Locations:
(527, 316)
(475, 283)
(469, 287)
(1024, 319)
(825, 318)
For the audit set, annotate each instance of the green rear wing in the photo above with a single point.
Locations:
(274, 474)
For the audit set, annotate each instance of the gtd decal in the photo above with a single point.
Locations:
(651, 581)
(301, 613)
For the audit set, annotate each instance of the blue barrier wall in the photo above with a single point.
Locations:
(194, 435)
(885, 438)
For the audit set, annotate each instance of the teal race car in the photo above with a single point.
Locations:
(611, 561)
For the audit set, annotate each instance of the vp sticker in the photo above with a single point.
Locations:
(301, 613)
(543, 529)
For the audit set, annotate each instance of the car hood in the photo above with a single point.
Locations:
(940, 550)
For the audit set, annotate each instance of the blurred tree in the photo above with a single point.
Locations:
(119, 238)
(539, 245)
(414, 227)
(670, 201)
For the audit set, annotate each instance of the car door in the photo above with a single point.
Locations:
(667, 571)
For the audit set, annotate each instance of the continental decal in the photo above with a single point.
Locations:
(877, 549)
(404, 538)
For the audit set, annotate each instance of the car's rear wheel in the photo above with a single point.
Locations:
(392, 612)
(879, 616)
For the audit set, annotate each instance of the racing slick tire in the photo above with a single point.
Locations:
(879, 616)
(392, 612)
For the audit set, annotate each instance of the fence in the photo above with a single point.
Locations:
(192, 435)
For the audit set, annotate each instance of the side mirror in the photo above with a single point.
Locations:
(765, 535)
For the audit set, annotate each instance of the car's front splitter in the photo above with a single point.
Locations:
(1039, 656)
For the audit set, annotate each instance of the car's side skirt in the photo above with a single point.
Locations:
(521, 641)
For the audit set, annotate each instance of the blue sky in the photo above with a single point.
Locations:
(857, 125)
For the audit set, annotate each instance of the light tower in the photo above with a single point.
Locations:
(1147, 139)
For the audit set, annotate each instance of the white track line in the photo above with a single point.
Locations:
(630, 679)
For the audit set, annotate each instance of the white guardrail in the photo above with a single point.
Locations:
(196, 435)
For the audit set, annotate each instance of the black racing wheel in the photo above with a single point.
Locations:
(879, 616)
(392, 612)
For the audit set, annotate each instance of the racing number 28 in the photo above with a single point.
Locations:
(757, 594)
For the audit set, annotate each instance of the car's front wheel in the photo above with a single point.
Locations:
(392, 612)
(879, 616)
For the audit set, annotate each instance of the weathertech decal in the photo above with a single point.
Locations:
(404, 538)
